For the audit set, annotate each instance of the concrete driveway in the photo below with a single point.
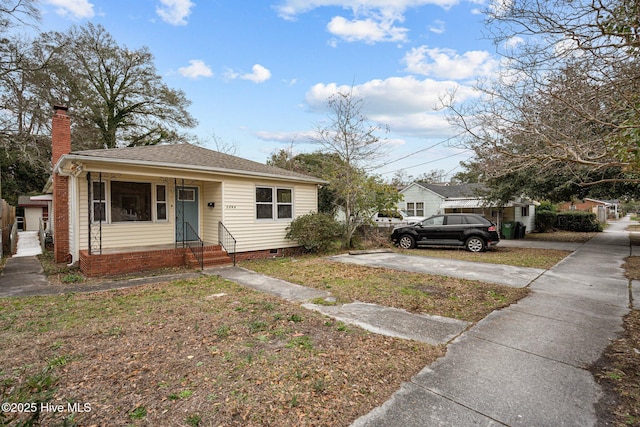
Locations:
(527, 364)
(517, 277)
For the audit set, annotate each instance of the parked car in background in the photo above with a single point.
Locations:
(388, 218)
(475, 232)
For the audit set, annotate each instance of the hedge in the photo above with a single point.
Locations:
(577, 221)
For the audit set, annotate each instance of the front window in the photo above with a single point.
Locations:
(285, 203)
(264, 203)
(130, 201)
(268, 207)
(411, 209)
(419, 209)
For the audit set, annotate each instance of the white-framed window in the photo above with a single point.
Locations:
(128, 201)
(415, 208)
(98, 202)
(161, 202)
(274, 203)
(411, 209)
(524, 210)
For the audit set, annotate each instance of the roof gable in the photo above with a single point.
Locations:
(188, 156)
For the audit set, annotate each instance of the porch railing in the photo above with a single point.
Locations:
(227, 241)
(194, 243)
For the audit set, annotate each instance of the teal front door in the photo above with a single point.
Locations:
(187, 214)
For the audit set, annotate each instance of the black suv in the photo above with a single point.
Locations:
(475, 232)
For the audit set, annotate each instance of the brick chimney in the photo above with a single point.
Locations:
(60, 145)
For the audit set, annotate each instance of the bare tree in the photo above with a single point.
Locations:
(354, 143)
(566, 101)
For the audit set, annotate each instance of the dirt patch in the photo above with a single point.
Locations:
(618, 373)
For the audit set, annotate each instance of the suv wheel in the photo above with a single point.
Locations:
(474, 244)
(407, 242)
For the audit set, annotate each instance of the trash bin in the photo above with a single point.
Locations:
(507, 230)
(522, 230)
(516, 230)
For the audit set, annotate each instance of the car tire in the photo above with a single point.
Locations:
(407, 242)
(475, 244)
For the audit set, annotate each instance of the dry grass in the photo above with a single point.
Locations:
(444, 296)
(562, 236)
(199, 352)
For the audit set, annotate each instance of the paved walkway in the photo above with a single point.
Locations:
(527, 364)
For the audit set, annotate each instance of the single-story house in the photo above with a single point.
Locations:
(426, 199)
(140, 208)
(604, 209)
(36, 211)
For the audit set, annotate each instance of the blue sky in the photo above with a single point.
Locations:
(259, 73)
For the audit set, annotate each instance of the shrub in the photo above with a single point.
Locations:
(545, 220)
(578, 221)
(316, 232)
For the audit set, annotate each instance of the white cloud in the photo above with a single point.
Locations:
(259, 74)
(369, 30)
(438, 27)
(285, 137)
(197, 68)
(373, 20)
(174, 12)
(76, 9)
(289, 9)
(447, 63)
(513, 42)
(408, 105)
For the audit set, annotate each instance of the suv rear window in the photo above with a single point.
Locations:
(455, 220)
(475, 220)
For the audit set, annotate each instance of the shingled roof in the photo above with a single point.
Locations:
(454, 191)
(188, 156)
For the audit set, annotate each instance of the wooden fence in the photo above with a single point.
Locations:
(9, 228)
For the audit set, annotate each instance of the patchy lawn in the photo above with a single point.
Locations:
(563, 236)
(198, 352)
(519, 257)
(468, 300)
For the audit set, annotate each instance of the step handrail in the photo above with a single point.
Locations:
(195, 243)
(227, 241)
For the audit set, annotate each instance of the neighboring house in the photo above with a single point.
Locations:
(604, 209)
(426, 199)
(140, 208)
(36, 209)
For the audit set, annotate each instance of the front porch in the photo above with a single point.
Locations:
(116, 261)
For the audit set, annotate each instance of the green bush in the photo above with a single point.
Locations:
(545, 220)
(316, 232)
(578, 221)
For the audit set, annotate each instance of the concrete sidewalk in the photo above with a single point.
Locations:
(527, 364)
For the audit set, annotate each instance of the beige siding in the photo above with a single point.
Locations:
(235, 206)
(210, 216)
(240, 214)
(127, 234)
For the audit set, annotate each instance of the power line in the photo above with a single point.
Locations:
(422, 150)
(431, 161)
